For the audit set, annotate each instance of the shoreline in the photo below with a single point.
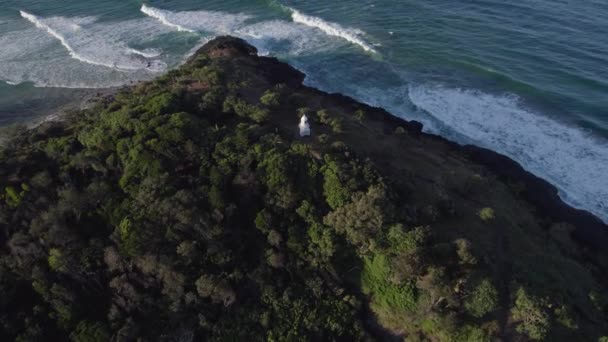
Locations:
(544, 196)
(589, 230)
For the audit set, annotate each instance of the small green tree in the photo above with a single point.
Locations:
(486, 214)
(271, 99)
(483, 299)
(360, 115)
(529, 311)
(56, 260)
(336, 192)
(407, 241)
(336, 125)
(13, 197)
(323, 116)
(90, 332)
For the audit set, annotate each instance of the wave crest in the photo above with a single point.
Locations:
(194, 21)
(90, 47)
(147, 53)
(332, 29)
(39, 24)
(161, 16)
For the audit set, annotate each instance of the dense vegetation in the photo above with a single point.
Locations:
(187, 208)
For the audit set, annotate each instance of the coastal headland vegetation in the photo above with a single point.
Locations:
(189, 208)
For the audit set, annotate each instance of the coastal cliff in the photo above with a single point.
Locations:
(189, 208)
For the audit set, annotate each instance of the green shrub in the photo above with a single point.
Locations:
(55, 259)
(13, 197)
(336, 193)
(530, 313)
(58, 148)
(213, 98)
(483, 299)
(486, 214)
(470, 333)
(243, 109)
(90, 332)
(131, 237)
(271, 99)
(323, 116)
(216, 197)
(360, 115)
(407, 242)
(211, 75)
(161, 104)
(259, 114)
(362, 219)
(375, 282)
(336, 125)
(564, 316)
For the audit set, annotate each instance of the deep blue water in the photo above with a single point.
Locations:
(527, 79)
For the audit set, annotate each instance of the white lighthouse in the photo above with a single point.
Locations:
(304, 126)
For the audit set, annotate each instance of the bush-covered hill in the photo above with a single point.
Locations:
(189, 209)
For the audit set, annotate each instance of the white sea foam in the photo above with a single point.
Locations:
(147, 53)
(162, 15)
(91, 46)
(196, 21)
(36, 21)
(568, 157)
(33, 55)
(282, 37)
(352, 35)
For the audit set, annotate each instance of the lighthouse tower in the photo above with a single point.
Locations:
(304, 126)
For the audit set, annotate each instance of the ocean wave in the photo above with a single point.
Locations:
(91, 46)
(162, 15)
(147, 53)
(30, 55)
(282, 37)
(60, 73)
(38, 23)
(568, 157)
(194, 21)
(332, 29)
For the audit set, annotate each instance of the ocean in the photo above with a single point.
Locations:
(528, 79)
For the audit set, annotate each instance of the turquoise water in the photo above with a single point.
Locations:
(528, 80)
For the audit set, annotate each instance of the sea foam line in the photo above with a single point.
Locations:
(332, 29)
(147, 53)
(161, 16)
(39, 24)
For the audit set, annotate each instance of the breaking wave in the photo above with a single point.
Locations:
(332, 29)
(38, 23)
(161, 15)
(282, 37)
(194, 21)
(147, 53)
(91, 47)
